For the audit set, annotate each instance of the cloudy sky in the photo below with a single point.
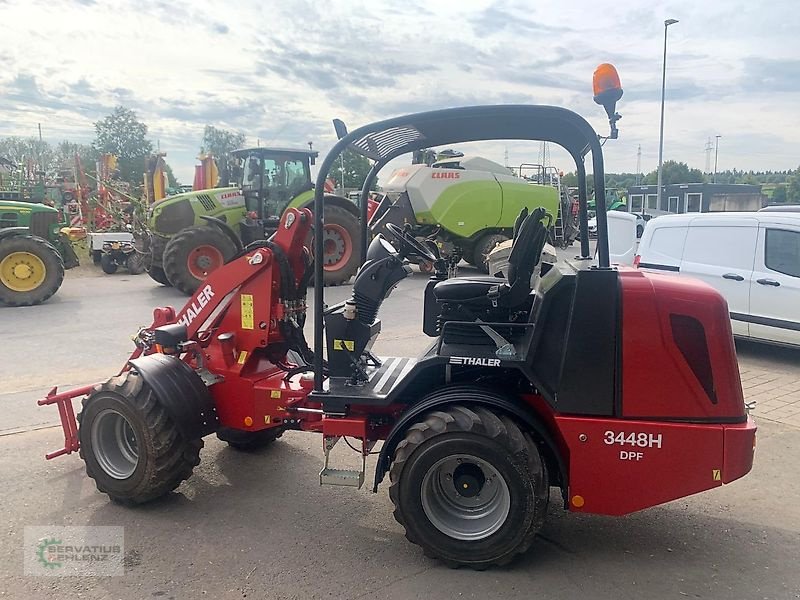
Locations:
(279, 71)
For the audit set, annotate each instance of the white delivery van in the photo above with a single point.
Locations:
(753, 259)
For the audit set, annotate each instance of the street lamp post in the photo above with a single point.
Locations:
(667, 23)
(716, 154)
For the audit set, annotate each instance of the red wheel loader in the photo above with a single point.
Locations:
(521, 390)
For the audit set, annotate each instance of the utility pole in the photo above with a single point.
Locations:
(505, 155)
(716, 155)
(639, 165)
(667, 23)
(709, 148)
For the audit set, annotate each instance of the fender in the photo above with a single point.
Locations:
(226, 229)
(9, 231)
(181, 392)
(335, 201)
(468, 396)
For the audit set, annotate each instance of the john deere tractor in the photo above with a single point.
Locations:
(33, 253)
(466, 205)
(194, 233)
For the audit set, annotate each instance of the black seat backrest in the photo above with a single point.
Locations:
(526, 251)
(523, 214)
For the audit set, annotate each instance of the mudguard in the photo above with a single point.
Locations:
(9, 231)
(226, 229)
(468, 395)
(181, 392)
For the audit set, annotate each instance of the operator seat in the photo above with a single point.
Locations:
(482, 293)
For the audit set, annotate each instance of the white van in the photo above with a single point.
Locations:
(753, 259)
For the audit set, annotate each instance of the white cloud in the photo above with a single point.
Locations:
(281, 70)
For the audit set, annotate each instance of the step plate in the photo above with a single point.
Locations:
(343, 477)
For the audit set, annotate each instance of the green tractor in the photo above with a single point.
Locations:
(33, 253)
(194, 233)
(466, 205)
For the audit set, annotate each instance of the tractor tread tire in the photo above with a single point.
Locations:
(176, 254)
(135, 263)
(170, 458)
(480, 253)
(157, 274)
(499, 428)
(249, 441)
(346, 219)
(54, 269)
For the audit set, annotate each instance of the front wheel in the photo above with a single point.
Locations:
(193, 253)
(132, 448)
(469, 487)
(135, 263)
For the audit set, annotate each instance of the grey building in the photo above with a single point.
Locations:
(695, 197)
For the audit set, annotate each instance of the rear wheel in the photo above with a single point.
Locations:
(249, 441)
(340, 237)
(469, 487)
(108, 264)
(131, 446)
(31, 270)
(483, 247)
(194, 253)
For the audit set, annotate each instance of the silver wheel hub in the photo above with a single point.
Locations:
(115, 446)
(333, 245)
(465, 498)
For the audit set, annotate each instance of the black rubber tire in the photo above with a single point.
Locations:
(483, 247)
(249, 441)
(96, 256)
(135, 263)
(157, 274)
(349, 222)
(176, 254)
(165, 458)
(497, 441)
(108, 264)
(53, 265)
(67, 197)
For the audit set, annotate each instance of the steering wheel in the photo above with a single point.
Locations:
(409, 245)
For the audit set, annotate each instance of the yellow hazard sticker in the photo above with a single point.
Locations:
(342, 344)
(275, 394)
(716, 474)
(266, 420)
(242, 357)
(247, 311)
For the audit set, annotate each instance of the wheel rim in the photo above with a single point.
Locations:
(114, 442)
(22, 271)
(204, 259)
(336, 246)
(465, 498)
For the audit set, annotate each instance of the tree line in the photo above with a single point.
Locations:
(779, 186)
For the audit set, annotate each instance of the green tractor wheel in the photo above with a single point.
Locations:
(31, 270)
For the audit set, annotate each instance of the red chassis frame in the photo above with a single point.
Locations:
(612, 466)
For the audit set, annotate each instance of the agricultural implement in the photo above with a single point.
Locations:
(519, 391)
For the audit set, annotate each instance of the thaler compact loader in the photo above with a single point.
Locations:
(519, 391)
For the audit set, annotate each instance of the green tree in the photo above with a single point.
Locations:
(675, 172)
(65, 153)
(779, 195)
(220, 142)
(356, 168)
(793, 187)
(121, 133)
(171, 181)
(25, 151)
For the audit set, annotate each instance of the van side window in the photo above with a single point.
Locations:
(782, 252)
(668, 242)
(728, 247)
